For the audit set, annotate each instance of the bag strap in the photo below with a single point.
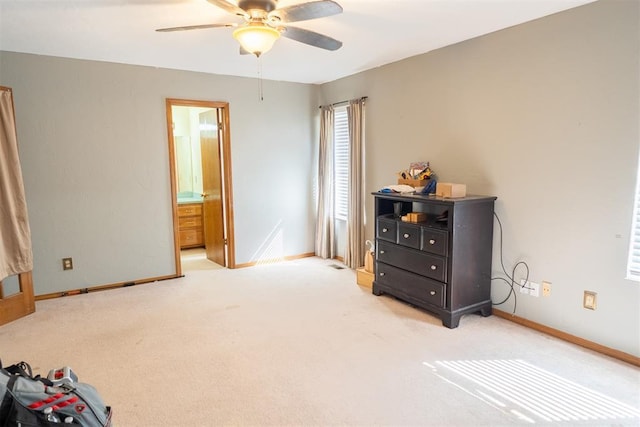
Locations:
(20, 369)
(11, 382)
(7, 399)
(23, 369)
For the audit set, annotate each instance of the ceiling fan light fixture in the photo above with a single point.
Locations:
(256, 39)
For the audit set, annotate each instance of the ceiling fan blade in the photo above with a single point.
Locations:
(194, 27)
(311, 38)
(304, 11)
(229, 7)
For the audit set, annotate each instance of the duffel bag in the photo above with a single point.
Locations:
(28, 400)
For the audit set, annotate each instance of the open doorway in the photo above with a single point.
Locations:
(200, 170)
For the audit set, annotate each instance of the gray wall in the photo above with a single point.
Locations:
(544, 116)
(93, 145)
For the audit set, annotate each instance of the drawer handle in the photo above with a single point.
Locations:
(407, 235)
(432, 293)
(432, 242)
(381, 252)
(381, 274)
(433, 267)
(384, 230)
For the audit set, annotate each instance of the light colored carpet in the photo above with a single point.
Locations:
(299, 343)
(196, 259)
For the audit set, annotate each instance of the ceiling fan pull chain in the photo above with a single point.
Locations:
(261, 92)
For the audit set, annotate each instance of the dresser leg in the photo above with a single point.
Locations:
(486, 311)
(451, 321)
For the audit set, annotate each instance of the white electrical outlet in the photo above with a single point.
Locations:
(530, 288)
(534, 290)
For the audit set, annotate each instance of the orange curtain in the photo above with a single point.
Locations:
(15, 236)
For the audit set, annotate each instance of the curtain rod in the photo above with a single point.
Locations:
(335, 104)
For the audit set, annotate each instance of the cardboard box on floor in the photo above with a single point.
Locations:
(364, 278)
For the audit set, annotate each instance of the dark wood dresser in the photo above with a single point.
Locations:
(442, 263)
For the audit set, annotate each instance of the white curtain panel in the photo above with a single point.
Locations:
(355, 250)
(325, 245)
(15, 236)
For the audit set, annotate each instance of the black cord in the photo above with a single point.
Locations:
(511, 282)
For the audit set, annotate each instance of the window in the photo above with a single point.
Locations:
(341, 163)
(633, 266)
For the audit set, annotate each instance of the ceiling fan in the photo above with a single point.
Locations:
(264, 23)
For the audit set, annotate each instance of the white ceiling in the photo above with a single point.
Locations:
(374, 33)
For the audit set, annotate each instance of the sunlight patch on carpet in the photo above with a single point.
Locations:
(531, 394)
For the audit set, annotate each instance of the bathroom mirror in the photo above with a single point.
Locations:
(186, 136)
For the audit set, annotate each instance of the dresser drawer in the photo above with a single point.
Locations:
(409, 235)
(434, 241)
(190, 210)
(410, 284)
(387, 229)
(191, 238)
(190, 225)
(431, 266)
(190, 221)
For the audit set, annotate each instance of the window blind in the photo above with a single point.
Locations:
(633, 266)
(341, 162)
